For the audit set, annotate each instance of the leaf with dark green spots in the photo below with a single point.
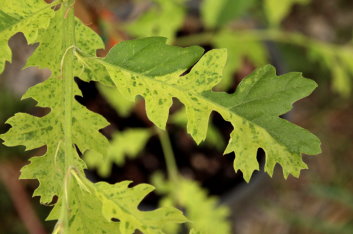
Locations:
(26, 16)
(253, 110)
(34, 132)
(84, 215)
(51, 50)
(121, 202)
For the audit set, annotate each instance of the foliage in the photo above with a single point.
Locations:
(251, 48)
(250, 109)
(122, 105)
(277, 10)
(126, 144)
(217, 16)
(216, 13)
(164, 18)
(157, 72)
(205, 214)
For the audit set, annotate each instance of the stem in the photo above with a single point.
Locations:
(168, 155)
(67, 79)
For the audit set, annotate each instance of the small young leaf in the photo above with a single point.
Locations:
(126, 144)
(205, 214)
(216, 13)
(240, 46)
(277, 10)
(121, 105)
(164, 19)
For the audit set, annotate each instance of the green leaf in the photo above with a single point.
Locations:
(216, 13)
(51, 51)
(131, 55)
(26, 16)
(240, 45)
(276, 11)
(116, 202)
(253, 109)
(122, 105)
(34, 132)
(126, 144)
(121, 202)
(164, 19)
(338, 60)
(205, 214)
(84, 215)
(214, 137)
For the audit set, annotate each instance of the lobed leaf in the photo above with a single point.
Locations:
(50, 52)
(253, 110)
(34, 132)
(26, 16)
(125, 144)
(121, 202)
(205, 214)
(84, 214)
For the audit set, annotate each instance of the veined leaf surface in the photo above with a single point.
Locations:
(253, 110)
(34, 132)
(26, 16)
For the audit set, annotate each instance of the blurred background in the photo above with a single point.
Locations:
(310, 36)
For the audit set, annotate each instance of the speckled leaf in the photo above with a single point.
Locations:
(34, 132)
(84, 214)
(253, 109)
(125, 144)
(50, 51)
(26, 16)
(121, 202)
